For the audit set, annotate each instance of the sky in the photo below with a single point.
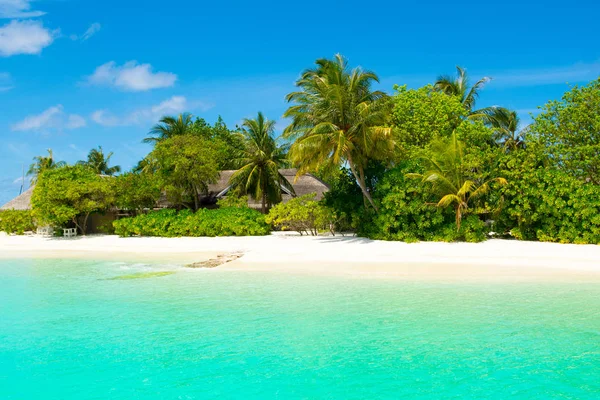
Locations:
(77, 74)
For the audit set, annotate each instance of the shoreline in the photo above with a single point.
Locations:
(351, 256)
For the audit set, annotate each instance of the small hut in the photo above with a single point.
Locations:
(304, 184)
(22, 202)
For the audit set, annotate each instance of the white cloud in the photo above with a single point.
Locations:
(54, 118)
(143, 116)
(91, 31)
(105, 118)
(18, 9)
(24, 37)
(75, 121)
(131, 76)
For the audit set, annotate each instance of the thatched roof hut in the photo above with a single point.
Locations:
(21, 202)
(305, 184)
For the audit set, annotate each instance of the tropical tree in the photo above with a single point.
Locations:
(169, 127)
(337, 118)
(505, 124)
(99, 162)
(260, 160)
(184, 166)
(70, 195)
(459, 86)
(451, 180)
(42, 164)
(569, 130)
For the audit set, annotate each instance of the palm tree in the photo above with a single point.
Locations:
(336, 119)
(459, 87)
(260, 162)
(98, 162)
(505, 124)
(42, 164)
(169, 127)
(449, 180)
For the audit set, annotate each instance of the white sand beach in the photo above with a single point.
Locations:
(493, 259)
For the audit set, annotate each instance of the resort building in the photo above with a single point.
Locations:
(304, 184)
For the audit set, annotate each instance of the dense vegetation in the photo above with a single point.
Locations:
(417, 164)
(229, 221)
(16, 221)
(304, 215)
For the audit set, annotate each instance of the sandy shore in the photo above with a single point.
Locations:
(506, 259)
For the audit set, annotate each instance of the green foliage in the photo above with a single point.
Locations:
(16, 221)
(570, 131)
(228, 143)
(453, 182)
(204, 222)
(337, 118)
(345, 197)
(547, 204)
(422, 115)
(408, 213)
(42, 164)
(259, 163)
(136, 192)
(460, 88)
(185, 165)
(70, 194)
(98, 162)
(302, 214)
(233, 201)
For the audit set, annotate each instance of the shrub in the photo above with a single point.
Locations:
(302, 214)
(549, 205)
(407, 212)
(16, 221)
(170, 223)
(233, 201)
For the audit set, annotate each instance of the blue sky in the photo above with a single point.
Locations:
(75, 74)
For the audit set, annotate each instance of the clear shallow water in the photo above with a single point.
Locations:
(67, 332)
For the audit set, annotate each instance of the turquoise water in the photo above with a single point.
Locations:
(68, 331)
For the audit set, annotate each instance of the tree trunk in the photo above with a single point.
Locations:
(196, 206)
(360, 178)
(264, 203)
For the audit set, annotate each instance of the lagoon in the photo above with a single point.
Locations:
(83, 329)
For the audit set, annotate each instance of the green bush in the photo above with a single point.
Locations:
(204, 222)
(302, 214)
(407, 212)
(233, 201)
(549, 205)
(16, 221)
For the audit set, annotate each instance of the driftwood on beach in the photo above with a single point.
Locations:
(215, 262)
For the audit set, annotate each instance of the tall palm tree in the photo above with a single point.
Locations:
(459, 86)
(337, 118)
(450, 181)
(505, 124)
(260, 162)
(98, 162)
(42, 164)
(170, 126)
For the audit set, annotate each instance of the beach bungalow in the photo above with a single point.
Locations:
(305, 184)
